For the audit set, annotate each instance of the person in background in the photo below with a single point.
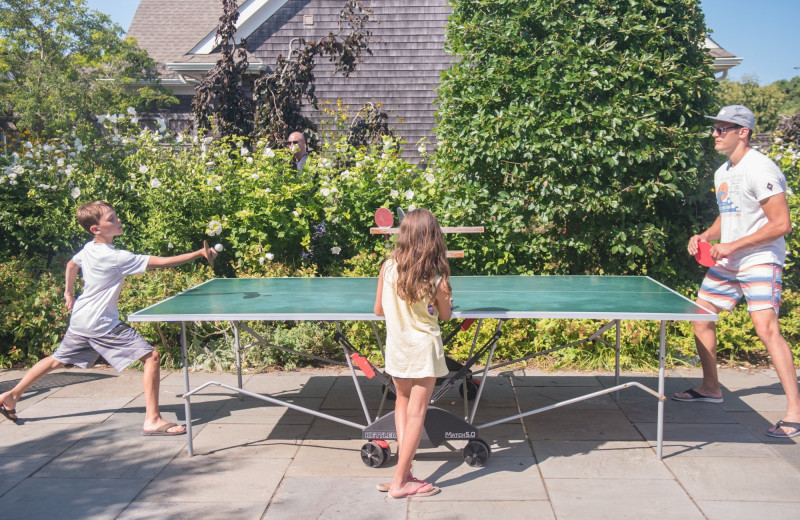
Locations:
(297, 144)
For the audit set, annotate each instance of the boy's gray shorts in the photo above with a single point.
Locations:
(120, 347)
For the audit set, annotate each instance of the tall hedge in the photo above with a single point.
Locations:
(574, 131)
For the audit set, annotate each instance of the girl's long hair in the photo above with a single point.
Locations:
(421, 256)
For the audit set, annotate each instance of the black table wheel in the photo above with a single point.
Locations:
(476, 452)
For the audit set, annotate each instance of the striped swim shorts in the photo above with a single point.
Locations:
(760, 285)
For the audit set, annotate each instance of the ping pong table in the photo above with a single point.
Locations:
(609, 299)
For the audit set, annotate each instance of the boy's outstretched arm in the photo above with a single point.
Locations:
(69, 289)
(157, 262)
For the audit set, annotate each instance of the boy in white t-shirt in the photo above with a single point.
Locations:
(95, 328)
(754, 218)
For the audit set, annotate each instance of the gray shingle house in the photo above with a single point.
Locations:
(401, 75)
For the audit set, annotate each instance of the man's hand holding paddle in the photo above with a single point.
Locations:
(705, 253)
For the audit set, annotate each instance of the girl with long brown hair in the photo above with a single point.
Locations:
(413, 294)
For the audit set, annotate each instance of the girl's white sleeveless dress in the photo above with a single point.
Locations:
(413, 339)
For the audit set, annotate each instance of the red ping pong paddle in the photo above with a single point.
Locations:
(384, 218)
(703, 255)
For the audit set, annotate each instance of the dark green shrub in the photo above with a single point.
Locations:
(574, 132)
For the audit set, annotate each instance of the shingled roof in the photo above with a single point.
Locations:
(168, 29)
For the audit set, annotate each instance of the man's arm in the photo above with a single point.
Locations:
(69, 289)
(779, 223)
(157, 262)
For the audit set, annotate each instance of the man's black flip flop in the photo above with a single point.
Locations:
(696, 396)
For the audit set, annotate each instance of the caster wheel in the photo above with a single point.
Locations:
(375, 453)
(476, 452)
(472, 389)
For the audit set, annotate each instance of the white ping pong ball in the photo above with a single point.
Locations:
(218, 248)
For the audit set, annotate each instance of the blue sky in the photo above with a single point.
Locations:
(765, 33)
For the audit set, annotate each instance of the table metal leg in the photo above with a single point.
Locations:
(187, 405)
(238, 348)
(616, 355)
(661, 361)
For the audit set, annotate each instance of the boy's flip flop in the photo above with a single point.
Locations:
(162, 431)
(780, 434)
(696, 396)
(8, 412)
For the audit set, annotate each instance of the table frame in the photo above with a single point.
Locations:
(477, 352)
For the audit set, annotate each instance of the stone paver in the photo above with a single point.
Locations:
(78, 451)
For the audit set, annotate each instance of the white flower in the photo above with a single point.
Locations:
(336, 250)
(134, 120)
(162, 125)
(255, 176)
(100, 119)
(60, 162)
(267, 190)
(409, 194)
(68, 170)
(422, 149)
(79, 145)
(261, 260)
(170, 246)
(295, 213)
(75, 193)
(269, 256)
(143, 169)
(179, 139)
(47, 148)
(244, 151)
(268, 152)
(132, 111)
(346, 174)
(249, 160)
(28, 145)
(155, 183)
(218, 188)
(430, 178)
(394, 193)
(214, 228)
(112, 118)
(325, 192)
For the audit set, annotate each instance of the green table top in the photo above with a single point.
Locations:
(345, 299)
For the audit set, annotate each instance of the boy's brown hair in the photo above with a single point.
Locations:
(89, 214)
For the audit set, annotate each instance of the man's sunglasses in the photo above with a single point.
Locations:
(722, 130)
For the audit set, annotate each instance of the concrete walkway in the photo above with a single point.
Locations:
(77, 452)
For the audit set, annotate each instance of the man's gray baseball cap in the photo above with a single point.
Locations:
(736, 114)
